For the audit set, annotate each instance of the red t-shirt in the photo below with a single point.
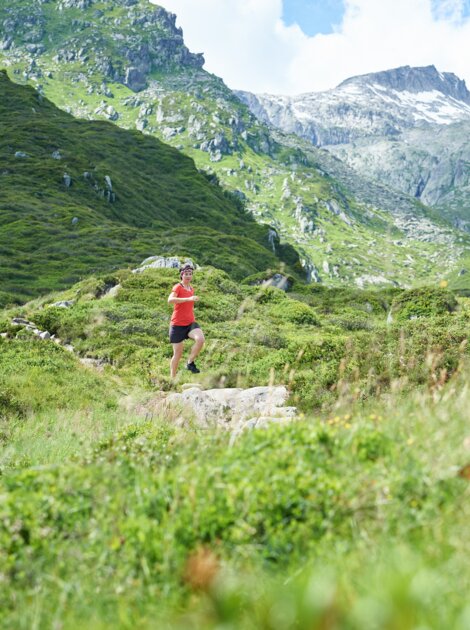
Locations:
(183, 313)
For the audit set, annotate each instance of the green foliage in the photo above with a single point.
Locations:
(39, 375)
(118, 523)
(270, 175)
(295, 312)
(424, 302)
(161, 206)
(114, 515)
(9, 405)
(323, 344)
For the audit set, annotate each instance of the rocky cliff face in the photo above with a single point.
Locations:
(123, 41)
(407, 127)
(414, 81)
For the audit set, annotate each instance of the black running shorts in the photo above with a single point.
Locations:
(180, 333)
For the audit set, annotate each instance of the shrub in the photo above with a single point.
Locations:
(294, 312)
(50, 319)
(269, 295)
(9, 404)
(424, 302)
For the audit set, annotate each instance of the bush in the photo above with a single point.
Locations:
(425, 302)
(9, 404)
(294, 312)
(269, 295)
(50, 319)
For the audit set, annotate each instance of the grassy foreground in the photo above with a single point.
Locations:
(351, 521)
(353, 517)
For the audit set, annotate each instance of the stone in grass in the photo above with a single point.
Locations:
(19, 321)
(67, 180)
(63, 304)
(21, 154)
(228, 407)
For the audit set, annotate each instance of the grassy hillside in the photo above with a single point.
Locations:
(354, 516)
(320, 342)
(347, 230)
(83, 196)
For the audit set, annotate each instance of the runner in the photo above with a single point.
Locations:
(183, 324)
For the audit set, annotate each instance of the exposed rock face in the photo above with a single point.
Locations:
(408, 79)
(157, 262)
(135, 79)
(407, 127)
(155, 43)
(74, 4)
(380, 104)
(234, 408)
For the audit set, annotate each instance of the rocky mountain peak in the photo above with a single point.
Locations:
(414, 80)
(124, 40)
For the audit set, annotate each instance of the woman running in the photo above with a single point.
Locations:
(183, 324)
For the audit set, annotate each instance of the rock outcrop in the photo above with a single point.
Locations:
(234, 409)
(406, 127)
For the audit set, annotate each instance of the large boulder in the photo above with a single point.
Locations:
(135, 79)
(233, 408)
(158, 262)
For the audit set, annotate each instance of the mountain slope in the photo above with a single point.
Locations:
(407, 127)
(80, 196)
(340, 237)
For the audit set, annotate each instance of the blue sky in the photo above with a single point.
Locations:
(324, 16)
(313, 16)
(296, 46)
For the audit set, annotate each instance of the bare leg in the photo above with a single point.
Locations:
(175, 359)
(199, 341)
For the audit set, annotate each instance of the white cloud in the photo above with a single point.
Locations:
(246, 43)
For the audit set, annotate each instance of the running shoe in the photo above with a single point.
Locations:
(192, 368)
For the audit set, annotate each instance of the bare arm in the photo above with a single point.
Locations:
(172, 299)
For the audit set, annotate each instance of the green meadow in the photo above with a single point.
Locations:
(353, 516)
(113, 512)
(129, 196)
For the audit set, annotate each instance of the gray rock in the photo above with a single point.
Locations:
(67, 180)
(113, 291)
(63, 304)
(232, 407)
(6, 43)
(108, 182)
(74, 4)
(135, 79)
(56, 155)
(111, 113)
(75, 220)
(157, 262)
(21, 154)
(20, 321)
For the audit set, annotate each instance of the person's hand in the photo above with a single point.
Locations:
(194, 298)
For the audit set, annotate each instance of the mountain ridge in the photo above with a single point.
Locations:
(340, 238)
(387, 128)
(415, 79)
